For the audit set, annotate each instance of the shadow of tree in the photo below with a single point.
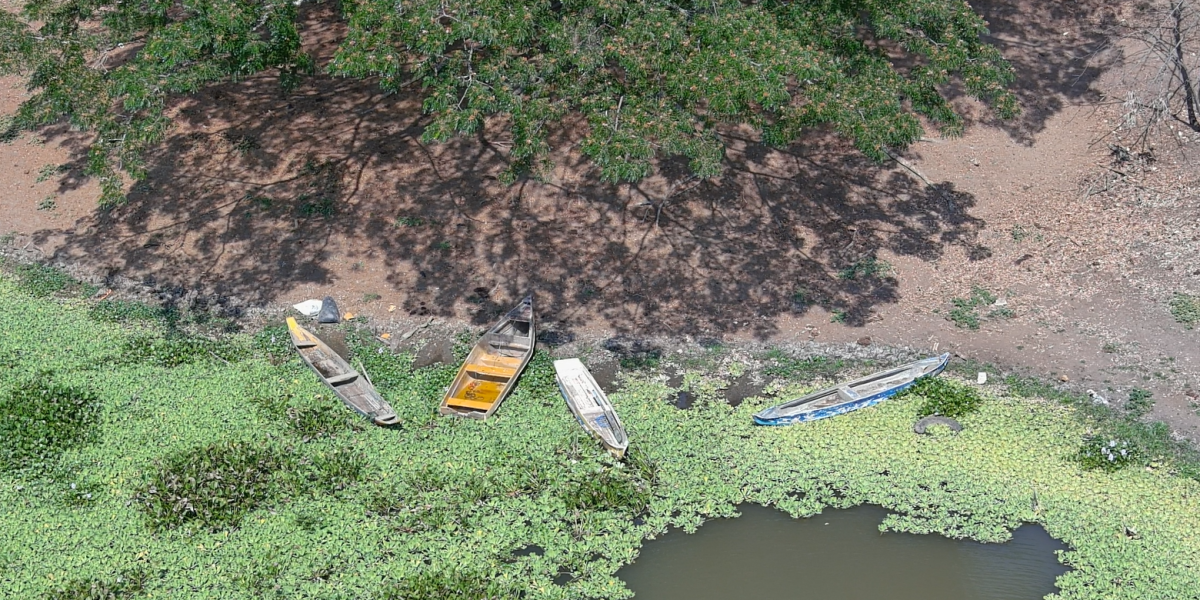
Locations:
(1058, 51)
(256, 194)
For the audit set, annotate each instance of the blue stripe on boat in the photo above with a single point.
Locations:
(846, 407)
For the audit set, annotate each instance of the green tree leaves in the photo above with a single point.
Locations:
(108, 67)
(647, 78)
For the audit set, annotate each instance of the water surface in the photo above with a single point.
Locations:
(838, 555)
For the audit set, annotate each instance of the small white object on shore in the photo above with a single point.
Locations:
(308, 308)
(981, 378)
(1097, 398)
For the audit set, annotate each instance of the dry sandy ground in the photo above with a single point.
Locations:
(277, 199)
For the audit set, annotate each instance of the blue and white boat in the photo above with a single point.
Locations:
(860, 393)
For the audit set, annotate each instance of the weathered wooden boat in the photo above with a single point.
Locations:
(352, 387)
(591, 407)
(860, 393)
(492, 368)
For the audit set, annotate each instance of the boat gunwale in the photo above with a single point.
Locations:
(617, 447)
(815, 414)
(516, 314)
(385, 416)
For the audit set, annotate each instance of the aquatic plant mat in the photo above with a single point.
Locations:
(167, 465)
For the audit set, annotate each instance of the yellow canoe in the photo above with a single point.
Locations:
(492, 368)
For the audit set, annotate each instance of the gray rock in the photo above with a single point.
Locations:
(329, 311)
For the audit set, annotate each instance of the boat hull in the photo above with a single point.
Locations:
(351, 387)
(590, 405)
(491, 370)
(769, 418)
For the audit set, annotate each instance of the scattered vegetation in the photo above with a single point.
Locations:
(1139, 404)
(213, 486)
(129, 584)
(1021, 233)
(1105, 454)
(47, 203)
(42, 281)
(409, 222)
(779, 364)
(48, 171)
(838, 316)
(965, 312)
(1185, 309)
(801, 297)
(371, 297)
(125, 311)
(450, 585)
(945, 397)
(316, 206)
(40, 419)
(174, 348)
(865, 268)
(634, 354)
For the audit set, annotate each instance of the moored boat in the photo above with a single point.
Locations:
(353, 388)
(590, 405)
(860, 393)
(491, 370)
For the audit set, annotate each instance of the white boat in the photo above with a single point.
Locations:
(591, 407)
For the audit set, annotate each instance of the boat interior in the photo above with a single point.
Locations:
(491, 367)
(855, 390)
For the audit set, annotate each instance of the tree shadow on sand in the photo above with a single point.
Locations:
(1058, 51)
(255, 194)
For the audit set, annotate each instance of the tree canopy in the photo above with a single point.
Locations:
(649, 77)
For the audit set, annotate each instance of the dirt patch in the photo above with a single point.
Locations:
(274, 199)
(436, 351)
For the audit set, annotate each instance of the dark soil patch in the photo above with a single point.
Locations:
(438, 351)
(743, 387)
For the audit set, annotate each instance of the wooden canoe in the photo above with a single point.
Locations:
(354, 388)
(591, 407)
(860, 393)
(492, 368)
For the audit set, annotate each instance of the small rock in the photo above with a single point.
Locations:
(1063, 378)
(864, 341)
(329, 311)
(975, 161)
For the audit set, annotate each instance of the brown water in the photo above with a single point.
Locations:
(838, 555)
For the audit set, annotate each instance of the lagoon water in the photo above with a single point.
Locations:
(838, 555)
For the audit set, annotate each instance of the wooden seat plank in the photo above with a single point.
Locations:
(493, 371)
(464, 403)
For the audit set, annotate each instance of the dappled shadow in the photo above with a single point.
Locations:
(257, 194)
(1058, 50)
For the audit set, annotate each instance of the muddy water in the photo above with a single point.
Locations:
(766, 555)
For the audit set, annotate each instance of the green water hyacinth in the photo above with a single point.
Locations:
(524, 500)
(1101, 452)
